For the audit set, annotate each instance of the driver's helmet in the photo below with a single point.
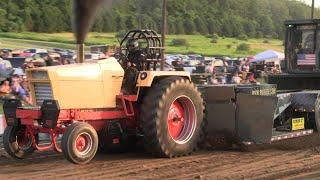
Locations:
(132, 45)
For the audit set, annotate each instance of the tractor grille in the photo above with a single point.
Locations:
(39, 75)
(43, 91)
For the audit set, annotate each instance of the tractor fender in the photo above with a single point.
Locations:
(146, 78)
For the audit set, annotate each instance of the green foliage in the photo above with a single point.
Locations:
(229, 46)
(214, 41)
(120, 35)
(180, 42)
(201, 27)
(215, 38)
(198, 44)
(243, 37)
(179, 27)
(189, 26)
(243, 47)
(227, 18)
(266, 41)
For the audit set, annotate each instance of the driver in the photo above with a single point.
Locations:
(135, 55)
(134, 65)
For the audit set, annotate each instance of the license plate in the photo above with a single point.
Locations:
(297, 124)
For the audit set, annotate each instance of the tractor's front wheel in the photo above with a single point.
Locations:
(172, 118)
(80, 143)
(17, 143)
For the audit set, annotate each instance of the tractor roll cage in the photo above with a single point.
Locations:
(152, 49)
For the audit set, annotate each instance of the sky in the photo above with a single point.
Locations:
(317, 2)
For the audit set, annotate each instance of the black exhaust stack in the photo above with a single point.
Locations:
(84, 15)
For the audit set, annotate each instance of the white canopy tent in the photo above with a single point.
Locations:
(269, 56)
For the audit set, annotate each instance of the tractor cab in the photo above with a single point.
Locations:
(302, 56)
(303, 46)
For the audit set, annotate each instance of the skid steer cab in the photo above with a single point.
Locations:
(107, 106)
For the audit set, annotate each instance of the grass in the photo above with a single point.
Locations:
(197, 44)
(22, 44)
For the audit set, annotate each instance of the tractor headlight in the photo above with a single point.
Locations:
(143, 76)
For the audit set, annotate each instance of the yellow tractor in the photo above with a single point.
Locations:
(106, 104)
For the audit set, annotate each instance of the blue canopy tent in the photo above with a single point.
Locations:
(269, 55)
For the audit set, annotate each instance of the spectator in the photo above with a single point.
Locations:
(48, 60)
(246, 66)
(4, 64)
(236, 79)
(5, 87)
(225, 65)
(178, 65)
(214, 80)
(276, 69)
(250, 79)
(223, 79)
(29, 65)
(18, 90)
(212, 69)
(254, 68)
(65, 61)
(238, 66)
(2, 54)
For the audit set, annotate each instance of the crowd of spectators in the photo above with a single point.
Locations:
(240, 73)
(13, 81)
(230, 71)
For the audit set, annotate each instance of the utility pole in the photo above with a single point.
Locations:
(164, 31)
(312, 10)
(138, 3)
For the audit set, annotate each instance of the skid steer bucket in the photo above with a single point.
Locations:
(255, 115)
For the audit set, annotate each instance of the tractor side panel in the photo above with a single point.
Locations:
(255, 117)
(146, 78)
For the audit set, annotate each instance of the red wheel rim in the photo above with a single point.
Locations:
(181, 120)
(83, 143)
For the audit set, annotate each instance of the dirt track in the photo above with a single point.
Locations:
(267, 164)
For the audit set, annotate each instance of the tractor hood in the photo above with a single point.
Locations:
(78, 86)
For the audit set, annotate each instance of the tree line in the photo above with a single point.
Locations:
(230, 18)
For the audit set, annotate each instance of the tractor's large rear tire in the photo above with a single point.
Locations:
(16, 143)
(80, 143)
(172, 118)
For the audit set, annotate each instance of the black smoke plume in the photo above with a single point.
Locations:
(84, 15)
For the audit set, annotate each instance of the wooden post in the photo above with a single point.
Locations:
(312, 10)
(164, 31)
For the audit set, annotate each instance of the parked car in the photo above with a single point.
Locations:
(31, 52)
